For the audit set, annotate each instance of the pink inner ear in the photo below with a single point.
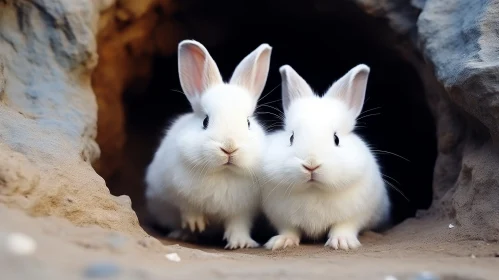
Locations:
(293, 86)
(251, 73)
(198, 68)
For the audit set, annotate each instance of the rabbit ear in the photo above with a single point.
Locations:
(351, 88)
(293, 86)
(252, 71)
(197, 70)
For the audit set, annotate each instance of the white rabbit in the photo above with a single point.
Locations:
(321, 178)
(205, 169)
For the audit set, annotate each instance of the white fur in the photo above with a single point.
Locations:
(349, 193)
(188, 183)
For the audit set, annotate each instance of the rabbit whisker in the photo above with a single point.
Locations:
(269, 92)
(395, 188)
(368, 115)
(389, 153)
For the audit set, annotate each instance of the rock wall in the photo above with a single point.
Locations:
(130, 34)
(48, 115)
(453, 44)
(459, 39)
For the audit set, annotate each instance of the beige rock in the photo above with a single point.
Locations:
(48, 115)
(64, 252)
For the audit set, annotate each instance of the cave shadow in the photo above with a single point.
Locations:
(321, 48)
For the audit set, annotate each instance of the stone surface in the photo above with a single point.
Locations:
(400, 14)
(404, 253)
(48, 115)
(460, 71)
(102, 270)
(459, 38)
(130, 34)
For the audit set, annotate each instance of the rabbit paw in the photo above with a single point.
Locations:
(194, 222)
(282, 241)
(344, 242)
(236, 241)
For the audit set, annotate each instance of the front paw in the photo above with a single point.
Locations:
(282, 241)
(239, 241)
(343, 242)
(194, 222)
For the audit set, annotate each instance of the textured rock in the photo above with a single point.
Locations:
(130, 34)
(48, 115)
(401, 14)
(461, 77)
(459, 38)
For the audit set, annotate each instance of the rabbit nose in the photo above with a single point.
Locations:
(311, 168)
(228, 151)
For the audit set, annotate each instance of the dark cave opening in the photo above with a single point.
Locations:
(321, 43)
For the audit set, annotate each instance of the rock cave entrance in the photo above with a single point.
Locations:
(321, 43)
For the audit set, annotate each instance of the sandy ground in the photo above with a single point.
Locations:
(64, 251)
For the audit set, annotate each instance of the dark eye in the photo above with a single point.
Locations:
(292, 138)
(336, 139)
(248, 124)
(205, 122)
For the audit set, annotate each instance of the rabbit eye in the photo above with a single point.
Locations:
(248, 124)
(292, 138)
(336, 139)
(205, 122)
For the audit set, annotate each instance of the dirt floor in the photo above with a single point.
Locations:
(64, 251)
